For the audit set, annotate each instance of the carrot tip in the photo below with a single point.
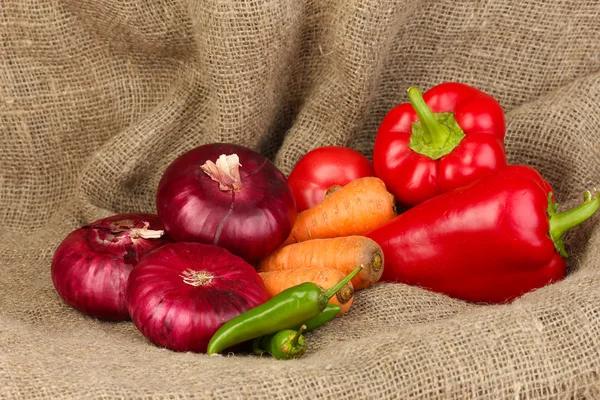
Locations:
(333, 290)
(377, 262)
(345, 294)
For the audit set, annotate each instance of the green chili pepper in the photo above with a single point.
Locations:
(329, 313)
(283, 345)
(286, 310)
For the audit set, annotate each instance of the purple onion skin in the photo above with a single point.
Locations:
(251, 222)
(91, 266)
(179, 316)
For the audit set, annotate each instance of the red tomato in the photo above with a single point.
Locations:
(322, 168)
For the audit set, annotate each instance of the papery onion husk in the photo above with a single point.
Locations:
(227, 195)
(91, 266)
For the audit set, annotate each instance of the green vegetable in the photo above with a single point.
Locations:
(287, 310)
(329, 313)
(283, 345)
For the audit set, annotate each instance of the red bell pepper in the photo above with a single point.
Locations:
(490, 241)
(443, 139)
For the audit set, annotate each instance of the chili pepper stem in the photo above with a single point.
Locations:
(434, 133)
(299, 332)
(334, 289)
(561, 222)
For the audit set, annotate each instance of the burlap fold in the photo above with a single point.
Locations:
(97, 98)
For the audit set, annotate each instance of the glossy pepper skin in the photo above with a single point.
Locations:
(489, 242)
(329, 313)
(283, 345)
(446, 138)
(288, 309)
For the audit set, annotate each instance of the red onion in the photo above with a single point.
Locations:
(227, 195)
(91, 266)
(181, 294)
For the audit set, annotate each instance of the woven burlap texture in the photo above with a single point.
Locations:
(96, 98)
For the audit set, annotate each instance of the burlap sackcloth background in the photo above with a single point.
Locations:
(97, 97)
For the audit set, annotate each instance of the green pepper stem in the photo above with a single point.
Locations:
(434, 133)
(334, 289)
(561, 222)
(294, 340)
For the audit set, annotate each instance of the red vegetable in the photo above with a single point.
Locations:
(491, 241)
(324, 167)
(181, 294)
(227, 195)
(449, 137)
(91, 266)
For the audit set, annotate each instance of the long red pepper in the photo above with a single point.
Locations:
(448, 137)
(491, 241)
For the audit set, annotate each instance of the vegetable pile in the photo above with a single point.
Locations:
(241, 258)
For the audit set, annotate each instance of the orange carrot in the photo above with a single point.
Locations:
(354, 209)
(342, 253)
(278, 281)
